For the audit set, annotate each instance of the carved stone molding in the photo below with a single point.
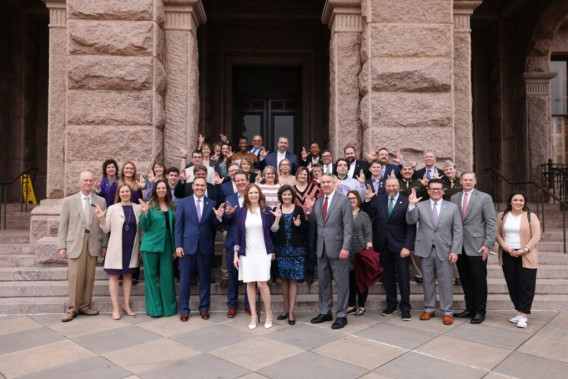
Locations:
(463, 9)
(343, 16)
(537, 83)
(57, 13)
(184, 14)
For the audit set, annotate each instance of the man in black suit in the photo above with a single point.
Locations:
(394, 239)
(312, 157)
(327, 162)
(429, 170)
(355, 165)
(185, 189)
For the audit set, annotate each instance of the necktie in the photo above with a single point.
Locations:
(198, 207)
(435, 215)
(451, 184)
(324, 211)
(327, 170)
(429, 174)
(464, 205)
(391, 205)
(407, 184)
(87, 212)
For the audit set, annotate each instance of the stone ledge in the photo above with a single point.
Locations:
(109, 72)
(111, 9)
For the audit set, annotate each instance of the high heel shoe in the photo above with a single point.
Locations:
(253, 320)
(115, 317)
(268, 321)
(131, 313)
(282, 317)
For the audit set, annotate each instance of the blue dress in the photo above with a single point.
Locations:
(290, 259)
(128, 236)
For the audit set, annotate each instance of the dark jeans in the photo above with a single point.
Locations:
(473, 276)
(521, 282)
(396, 270)
(354, 292)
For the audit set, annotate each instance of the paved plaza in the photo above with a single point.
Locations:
(372, 346)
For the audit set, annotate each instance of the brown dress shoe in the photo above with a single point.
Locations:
(205, 315)
(88, 312)
(68, 317)
(426, 316)
(447, 320)
(224, 283)
(184, 317)
(232, 312)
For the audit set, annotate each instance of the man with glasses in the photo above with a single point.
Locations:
(438, 242)
(188, 173)
(327, 162)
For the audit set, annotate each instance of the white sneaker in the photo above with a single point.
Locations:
(522, 322)
(515, 319)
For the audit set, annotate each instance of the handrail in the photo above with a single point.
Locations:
(563, 204)
(4, 194)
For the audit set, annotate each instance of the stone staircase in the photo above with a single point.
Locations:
(30, 285)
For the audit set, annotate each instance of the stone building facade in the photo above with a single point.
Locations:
(135, 79)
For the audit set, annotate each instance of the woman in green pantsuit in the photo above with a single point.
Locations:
(157, 222)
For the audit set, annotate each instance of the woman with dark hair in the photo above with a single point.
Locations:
(122, 221)
(222, 164)
(158, 219)
(157, 172)
(254, 250)
(518, 232)
(361, 238)
(110, 176)
(290, 246)
(216, 154)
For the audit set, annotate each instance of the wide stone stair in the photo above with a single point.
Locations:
(28, 286)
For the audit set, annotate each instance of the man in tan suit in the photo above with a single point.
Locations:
(80, 241)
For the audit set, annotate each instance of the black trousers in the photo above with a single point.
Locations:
(521, 282)
(396, 270)
(473, 276)
(354, 292)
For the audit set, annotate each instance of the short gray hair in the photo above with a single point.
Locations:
(83, 173)
(469, 173)
(449, 163)
(392, 179)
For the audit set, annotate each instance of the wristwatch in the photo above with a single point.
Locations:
(527, 250)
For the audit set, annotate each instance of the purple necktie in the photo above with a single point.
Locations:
(198, 207)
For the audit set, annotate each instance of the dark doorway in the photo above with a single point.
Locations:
(267, 101)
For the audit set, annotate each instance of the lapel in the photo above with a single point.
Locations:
(470, 203)
(334, 201)
(206, 208)
(398, 206)
(79, 206)
(428, 207)
(443, 209)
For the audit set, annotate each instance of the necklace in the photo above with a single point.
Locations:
(127, 227)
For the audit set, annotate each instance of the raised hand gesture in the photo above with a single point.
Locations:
(372, 154)
(369, 192)
(97, 184)
(200, 139)
(99, 212)
(336, 182)
(141, 182)
(223, 138)
(230, 152)
(392, 174)
(151, 176)
(304, 153)
(309, 204)
(182, 151)
(218, 179)
(229, 209)
(144, 206)
(399, 158)
(361, 178)
(436, 175)
(412, 199)
(277, 213)
(183, 176)
(220, 210)
(424, 180)
(263, 152)
(413, 161)
(297, 221)
(309, 167)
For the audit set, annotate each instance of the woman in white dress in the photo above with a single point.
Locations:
(254, 250)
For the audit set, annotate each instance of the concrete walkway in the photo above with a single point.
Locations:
(40, 346)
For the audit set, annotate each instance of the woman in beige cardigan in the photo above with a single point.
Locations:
(518, 233)
(122, 220)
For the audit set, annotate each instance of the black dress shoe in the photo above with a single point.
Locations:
(339, 323)
(478, 318)
(322, 318)
(464, 314)
(292, 322)
(282, 317)
(418, 280)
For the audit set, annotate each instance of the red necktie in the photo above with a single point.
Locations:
(464, 205)
(324, 212)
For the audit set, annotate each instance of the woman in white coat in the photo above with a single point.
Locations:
(122, 256)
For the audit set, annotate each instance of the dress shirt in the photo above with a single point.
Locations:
(351, 169)
(438, 204)
(241, 199)
(328, 169)
(376, 184)
(395, 199)
(279, 158)
(83, 202)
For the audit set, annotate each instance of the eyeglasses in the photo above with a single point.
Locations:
(435, 189)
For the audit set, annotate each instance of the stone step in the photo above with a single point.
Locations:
(21, 260)
(15, 207)
(543, 272)
(14, 236)
(308, 302)
(17, 249)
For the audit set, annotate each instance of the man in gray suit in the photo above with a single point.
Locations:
(80, 240)
(480, 227)
(333, 217)
(438, 243)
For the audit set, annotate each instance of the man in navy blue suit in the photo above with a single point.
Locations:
(388, 168)
(196, 221)
(274, 158)
(393, 238)
(233, 202)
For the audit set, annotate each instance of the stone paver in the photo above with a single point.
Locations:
(371, 347)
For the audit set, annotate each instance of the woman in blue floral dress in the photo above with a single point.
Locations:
(290, 248)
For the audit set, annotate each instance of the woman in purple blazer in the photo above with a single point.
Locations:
(252, 257)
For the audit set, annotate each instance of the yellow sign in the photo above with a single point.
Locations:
(28, 189)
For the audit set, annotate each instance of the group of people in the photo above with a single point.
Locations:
(284, 216)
